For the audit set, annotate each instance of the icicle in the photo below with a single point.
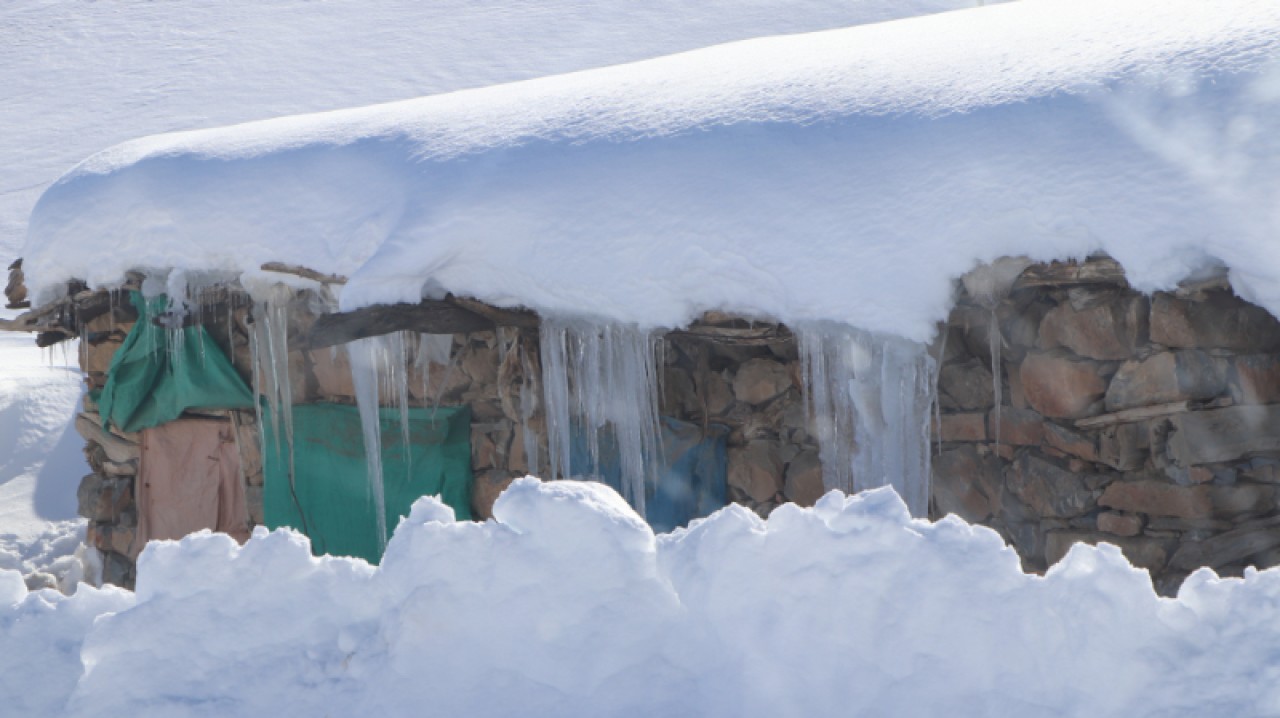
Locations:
(613, 372)
(937, 405)
(870, 399)
(528, 407)
(994, 341)
(270, 345)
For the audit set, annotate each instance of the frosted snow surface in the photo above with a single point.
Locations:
(567, 605)
(81, 76)
(41, 461)
(847, 175)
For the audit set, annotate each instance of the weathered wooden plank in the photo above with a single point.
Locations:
(1095, 270)
(1128, 416)
(304, 272)
(523, 318)
(429, 317)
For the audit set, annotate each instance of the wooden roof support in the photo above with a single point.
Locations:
(431, 316)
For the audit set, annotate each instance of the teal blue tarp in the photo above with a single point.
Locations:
(157, 374)
(330, 499)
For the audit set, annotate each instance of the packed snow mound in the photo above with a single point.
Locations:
(82, 76)
(844, 175)
(566, 604)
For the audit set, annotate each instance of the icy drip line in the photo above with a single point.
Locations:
(870, 399)
(604, 376)
(379, 367)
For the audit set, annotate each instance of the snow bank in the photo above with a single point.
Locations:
(82, 76)
(567, 604)
(41, 461)
(848, 174)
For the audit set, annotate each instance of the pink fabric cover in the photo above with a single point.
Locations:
(189, 479)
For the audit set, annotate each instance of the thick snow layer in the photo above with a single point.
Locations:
(41, 461)
(845, 175)
(80, 76)
(567, 605)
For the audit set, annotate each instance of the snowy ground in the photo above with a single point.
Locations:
(41, 461)
(567, 605)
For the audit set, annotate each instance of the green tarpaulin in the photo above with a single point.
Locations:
(158, 373)
(330, 499)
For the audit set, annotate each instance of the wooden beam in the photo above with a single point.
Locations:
(1095, 270)
(429, 317)
(297, 271)
(1129, 416)
(523, 318)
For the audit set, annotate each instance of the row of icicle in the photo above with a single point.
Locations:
(869, 398)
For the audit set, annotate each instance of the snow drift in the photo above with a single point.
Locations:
(566, 604)
(846, 175)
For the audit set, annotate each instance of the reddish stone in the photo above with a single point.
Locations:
(1256, 379)
(1220, 320)
(1166, 377)
(1159, 499)
(1111, 329)
(970, 426)
(1070, 442)
(1018, 427)
(1120, 524)
(1060, 387)
(966, 483)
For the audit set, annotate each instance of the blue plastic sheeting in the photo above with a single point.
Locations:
(691, 483)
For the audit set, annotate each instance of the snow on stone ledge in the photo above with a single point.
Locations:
(566, 604)
(845, 175)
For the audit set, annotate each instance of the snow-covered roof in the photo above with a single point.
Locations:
(82, 76)
(845, 175)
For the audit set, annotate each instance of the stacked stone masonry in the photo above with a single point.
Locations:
(1150, 422)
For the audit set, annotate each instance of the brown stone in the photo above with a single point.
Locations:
(1070, 441)
(756, 469)
(484, 451)
(1149, 496)
(1050, 491)
(481, 364)
(965, 386)
(1221, 435)
(1017, 427)
(97, 357)
(1222, 320)
(969, 426)
(718, 394)
(486, 488)
(121, 539)
(1166, 377)
(1112, 328)
(678, 395)
(1142, 552)
(1120, 524)
(1060, 387)
(1255, 379)
(759, 380)
(803, 483)
(965, 482)
(332, 370)
(1123, 446)
(102, 499)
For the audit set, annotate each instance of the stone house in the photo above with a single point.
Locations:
(1149, 422)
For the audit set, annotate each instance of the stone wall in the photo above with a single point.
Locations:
(1150, 422)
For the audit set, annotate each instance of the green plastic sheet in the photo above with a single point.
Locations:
(159, 373)
(329, 497)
